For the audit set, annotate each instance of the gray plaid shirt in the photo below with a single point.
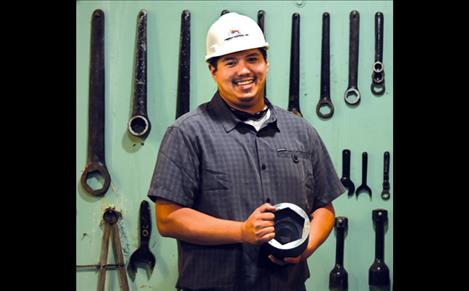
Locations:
(211, 161)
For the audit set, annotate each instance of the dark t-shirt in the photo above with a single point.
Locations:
(211, 161)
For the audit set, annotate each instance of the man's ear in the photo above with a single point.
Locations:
(212, 69)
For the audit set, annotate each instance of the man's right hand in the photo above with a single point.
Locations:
(259, 227)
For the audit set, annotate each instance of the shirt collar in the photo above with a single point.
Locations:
(228, 118)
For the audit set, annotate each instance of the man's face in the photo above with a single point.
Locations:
(240, 77)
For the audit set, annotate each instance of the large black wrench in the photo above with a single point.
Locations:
(294, 96)
(142, 255)
(345, 179)
(324, 108)
(352, 95)
(183, 94)
(139, 125)
(338, 277)
(95, 163)
(378, 273)
(377, 77)
(260, 22)
(364, 188)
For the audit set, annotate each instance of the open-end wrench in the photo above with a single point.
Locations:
(377, 77)
(111, 228)
(294, 96)
(378, 273)
(95, 163)
(363, 188)
(142, 255)
(139, 125)
(338, 277)
(346, 181)
(352, 95)
(385, 193)
(324, 108)
(260, 22)
(183, 94)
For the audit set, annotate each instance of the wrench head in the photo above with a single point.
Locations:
(349, 185)
(141, 258)
(363, 188)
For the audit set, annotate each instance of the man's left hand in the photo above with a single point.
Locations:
(286, 260)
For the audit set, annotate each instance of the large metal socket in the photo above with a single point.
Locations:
(291, 231)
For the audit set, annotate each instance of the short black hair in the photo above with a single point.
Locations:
(213, 61)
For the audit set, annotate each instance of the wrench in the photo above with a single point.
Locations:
(110, 218)
(294, 96)
(352, 95)
(260, 22)
(95, 162)
(325, 103)
(377, 77)
(385, 193)
(142, 255)
(346, 181)
(378, 273)
(224, 11)
(183, 94)
(364, 187)
(338, 277)
(139, 125)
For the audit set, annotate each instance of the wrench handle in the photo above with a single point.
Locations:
(386, 167)
(379, 24)
(325, 56)
(145, 223)
(364, 167)
(183, 93)
(353, 48)
(96, 90)
(294, 92)
(346, 163)
(260, 22)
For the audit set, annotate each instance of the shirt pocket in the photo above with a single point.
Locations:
(214, 180)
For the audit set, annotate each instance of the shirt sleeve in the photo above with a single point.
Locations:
(327, 183)
(176, 171)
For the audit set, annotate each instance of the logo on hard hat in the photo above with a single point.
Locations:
(233, 33)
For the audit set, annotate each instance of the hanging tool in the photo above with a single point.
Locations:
(377, 77)
(142, 255)
(183, 94)
(294, 94)
(324, 108)
(352, 95)
(110, 217)
(363, 188)
(346, 181)
(338, 277)
(260, 22)
(378, 274)
(224, 11)
(385, 193)
(95, 162)
(139, 124)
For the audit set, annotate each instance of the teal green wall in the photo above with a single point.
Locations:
(367, 127)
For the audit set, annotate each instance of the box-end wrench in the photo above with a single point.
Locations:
(95, 163)
(183, 93)
(377, 77)
(338, 277)
(294, 96)
(352, 95)
(139, 125)
(110, 218)
(324, 108)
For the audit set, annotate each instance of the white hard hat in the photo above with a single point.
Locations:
(231, 33)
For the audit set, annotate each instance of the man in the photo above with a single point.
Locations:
(221, 167)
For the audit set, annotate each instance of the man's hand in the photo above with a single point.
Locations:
(287, 260)
(259, 227)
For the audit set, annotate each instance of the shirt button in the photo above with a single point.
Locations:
(295, 159)
(263, 166)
